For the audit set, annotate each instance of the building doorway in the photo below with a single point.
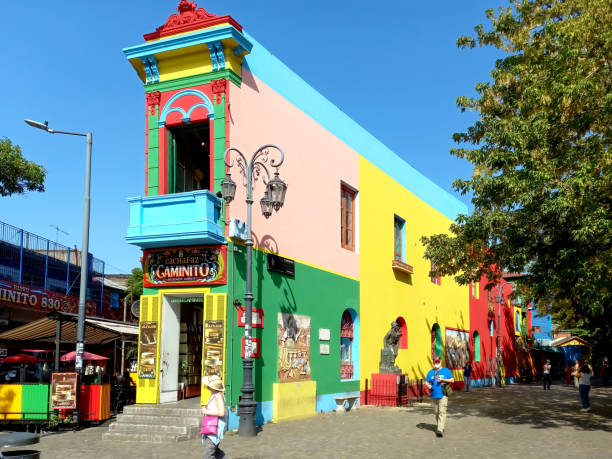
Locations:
(181, 346)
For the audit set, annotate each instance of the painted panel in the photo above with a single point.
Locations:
(293, 333)
(10, 401)
(296, 400)
(35, 401)
(147, 390)
(316, 164)
(214, 345)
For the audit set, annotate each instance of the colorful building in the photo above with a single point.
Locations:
(332, 269)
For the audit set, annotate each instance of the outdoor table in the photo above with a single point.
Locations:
(12, 439)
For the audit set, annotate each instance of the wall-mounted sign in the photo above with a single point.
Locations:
(198, 265)
(255, 347)
(257, 318)
(63, 391)
(26, 297)
(324, 334)
(280, 265)
(212, 353)
(148, 350)
(324, 349)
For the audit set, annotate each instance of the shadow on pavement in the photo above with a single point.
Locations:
(422, 425)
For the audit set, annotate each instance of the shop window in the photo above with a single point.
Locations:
(476, 346)
(436, 341)
(347, 218)
(399, 239)
(403, 344)
(475, 290)
(434, 279)
(346, 345)
(189, 158)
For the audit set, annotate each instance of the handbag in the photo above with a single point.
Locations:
(209, 425)
(447, 389)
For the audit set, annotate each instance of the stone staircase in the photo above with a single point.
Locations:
(166, 423)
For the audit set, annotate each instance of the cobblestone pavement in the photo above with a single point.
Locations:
(516, 421)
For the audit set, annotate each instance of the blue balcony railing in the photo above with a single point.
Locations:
(168, 220)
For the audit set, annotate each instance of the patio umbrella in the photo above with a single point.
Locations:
(21, 358)
(88, 356)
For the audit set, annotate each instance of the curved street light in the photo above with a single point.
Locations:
(84, 251)
(273, 198)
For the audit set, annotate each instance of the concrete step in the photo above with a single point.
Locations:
(159, 420)
(157, 410)
(117, 427)
(144, 437)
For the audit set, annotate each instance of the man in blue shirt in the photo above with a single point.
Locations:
(434, 380)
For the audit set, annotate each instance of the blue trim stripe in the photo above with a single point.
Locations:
(288, 84)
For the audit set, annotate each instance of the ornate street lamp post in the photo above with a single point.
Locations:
(273, 198)
(499, 298)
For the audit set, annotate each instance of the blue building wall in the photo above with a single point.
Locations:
(545, 322)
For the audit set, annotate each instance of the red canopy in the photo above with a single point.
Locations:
(21, 358)
(71, 356)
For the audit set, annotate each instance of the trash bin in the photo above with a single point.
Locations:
(22, 454)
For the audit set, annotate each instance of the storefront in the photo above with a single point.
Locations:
(182, 322)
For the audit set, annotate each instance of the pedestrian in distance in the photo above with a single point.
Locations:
(605, 372)
(567, 374)
(584, 385)
(576, 372)
(438, 381)
(546, 376)
(467, 375)
(214, 420)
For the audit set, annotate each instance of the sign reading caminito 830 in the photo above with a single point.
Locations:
(198, 265)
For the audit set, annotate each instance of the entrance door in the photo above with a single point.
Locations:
(168, 365)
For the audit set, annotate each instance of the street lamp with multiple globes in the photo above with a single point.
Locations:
(273, 198)
(84, 251)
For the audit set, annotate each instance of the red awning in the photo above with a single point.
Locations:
(87, 356)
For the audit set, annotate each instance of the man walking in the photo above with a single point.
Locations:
(436, 379)
(546, 375)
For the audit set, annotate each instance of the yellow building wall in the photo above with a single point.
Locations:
(387, 295)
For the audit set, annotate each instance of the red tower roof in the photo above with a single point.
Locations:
(189, 18)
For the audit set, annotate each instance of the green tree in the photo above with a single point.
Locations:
(542, 179)
(134, 285)
(17, 174)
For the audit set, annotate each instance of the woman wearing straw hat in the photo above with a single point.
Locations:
(214, 423)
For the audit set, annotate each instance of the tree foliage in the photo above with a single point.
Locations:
(542, 178)
(134, 285)
(17, 174)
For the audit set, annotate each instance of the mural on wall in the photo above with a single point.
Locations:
(457, 348)
(293, 347)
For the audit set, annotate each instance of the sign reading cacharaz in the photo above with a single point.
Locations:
(198, 265)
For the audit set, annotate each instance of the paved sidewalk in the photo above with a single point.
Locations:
(516, 421)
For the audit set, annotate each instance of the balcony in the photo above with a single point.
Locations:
(175, 219)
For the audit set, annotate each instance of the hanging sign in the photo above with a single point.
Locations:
(63, 391)
(257, 320)
(28, 297)
(148, 350)
(198, 265)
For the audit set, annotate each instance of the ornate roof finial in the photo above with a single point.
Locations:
(186, 6)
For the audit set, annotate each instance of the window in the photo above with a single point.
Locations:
(518, 321)
(346, 345)
(476, 290)
(347, 218)
(403, 344)
(435, 279)
(189, 158)
(491, 328)
(476, 346)
(399, 239)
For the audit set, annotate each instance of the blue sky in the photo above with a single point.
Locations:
(62, 62)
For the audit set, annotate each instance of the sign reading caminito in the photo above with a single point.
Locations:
(196, 265)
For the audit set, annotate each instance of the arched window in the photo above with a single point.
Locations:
(346, 345)
(403, 344)
(476, 346)
(436, 341)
